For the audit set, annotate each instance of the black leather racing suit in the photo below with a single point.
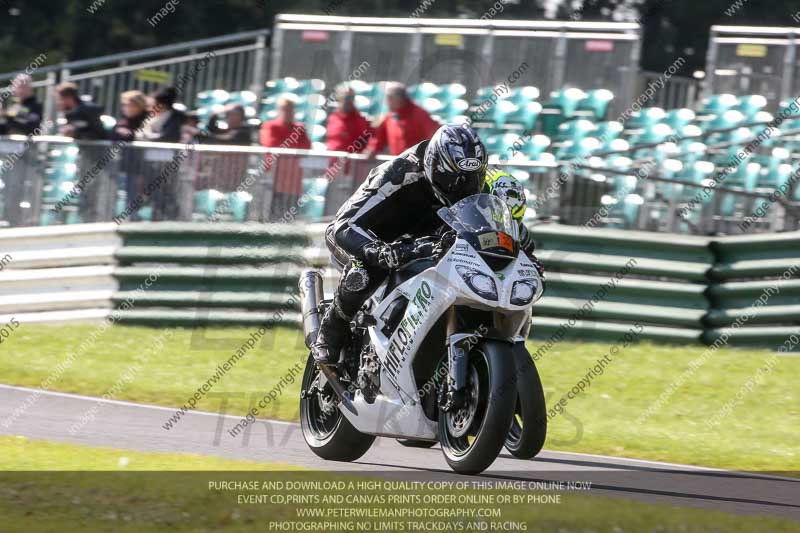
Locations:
(394, 201)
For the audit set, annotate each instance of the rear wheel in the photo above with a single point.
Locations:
(529, 426)
(473, 435)
(326, 431)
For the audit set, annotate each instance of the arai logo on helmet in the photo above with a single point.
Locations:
(469, 164)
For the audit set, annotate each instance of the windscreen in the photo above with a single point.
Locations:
(485, 221)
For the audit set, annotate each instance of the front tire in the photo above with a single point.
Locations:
(326, 431)
(472, 437)
(529, 426)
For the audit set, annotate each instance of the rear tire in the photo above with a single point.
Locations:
(326, 431)
(473, 436)
(529, 425)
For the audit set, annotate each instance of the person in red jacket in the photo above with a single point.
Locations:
(284, 132)
(347, 129)
(406, 124)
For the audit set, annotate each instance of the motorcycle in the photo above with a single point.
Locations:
(437, 352)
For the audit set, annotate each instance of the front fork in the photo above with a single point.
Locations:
(453, 395)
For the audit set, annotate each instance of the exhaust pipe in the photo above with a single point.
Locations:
(310, 297)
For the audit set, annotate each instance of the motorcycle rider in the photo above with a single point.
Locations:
(398, 198)
(506, 187)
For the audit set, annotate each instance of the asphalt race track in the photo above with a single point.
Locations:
(140, 427)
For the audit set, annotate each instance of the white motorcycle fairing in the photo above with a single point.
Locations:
(397, 410)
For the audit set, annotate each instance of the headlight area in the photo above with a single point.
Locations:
(480, 283)
(523, 291)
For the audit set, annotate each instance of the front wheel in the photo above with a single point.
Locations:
(326, 431)
(472, 436)
(529, 426)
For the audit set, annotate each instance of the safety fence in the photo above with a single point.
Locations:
(681, 289)
(50, 180)
(237, 61)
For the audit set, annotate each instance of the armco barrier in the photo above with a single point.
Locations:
(187, 274)
(600, 282)
(755, 290)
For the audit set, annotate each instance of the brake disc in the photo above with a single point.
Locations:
(460, 420)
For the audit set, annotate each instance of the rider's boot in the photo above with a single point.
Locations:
(333, 333)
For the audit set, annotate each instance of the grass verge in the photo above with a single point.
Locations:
(758, 434)
(146, 492)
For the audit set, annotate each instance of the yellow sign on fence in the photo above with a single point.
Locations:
(751, 50)
(449, 39)
(155, 76)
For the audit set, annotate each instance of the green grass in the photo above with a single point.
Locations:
(759, 434)
(146, 492)
(19, 453)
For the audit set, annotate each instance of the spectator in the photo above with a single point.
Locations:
(346, 125)
(284, 132)
(166, 123)
(23, 115)
(134, 115)
(404, 126)
(83, 118)
(83, 123)
(190, 131)
(237, 131)
(129, 128)
(226, 171)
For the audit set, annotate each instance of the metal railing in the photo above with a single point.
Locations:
(753, 60)
(235, 62)
(475, 53)
(54, 180)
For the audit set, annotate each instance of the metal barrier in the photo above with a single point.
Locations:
(55, 180)
(753, 60)
(475, 53)
(236, 62)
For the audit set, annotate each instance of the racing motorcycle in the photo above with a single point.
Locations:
(437, 353)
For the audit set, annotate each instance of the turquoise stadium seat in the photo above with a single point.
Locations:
(677, 119)
(239, 203)
(536, 146)
(507, 113)
(523, 95)
(597, 103)
(655, 133)
(575, 130)
(608, 131)
(750, 105)
(646, 117)
(561, 106)
(579, 149)
(718, 103)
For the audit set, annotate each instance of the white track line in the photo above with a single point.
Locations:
(132, 404)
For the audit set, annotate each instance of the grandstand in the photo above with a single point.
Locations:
(584, 158)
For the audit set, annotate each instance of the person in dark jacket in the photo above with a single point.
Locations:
(166, 122)
(134, 115)
(82, 118)
(82, 123)
(237, 131)
(22, 113)
(427, 176)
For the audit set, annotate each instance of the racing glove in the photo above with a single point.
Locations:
(388, 256)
